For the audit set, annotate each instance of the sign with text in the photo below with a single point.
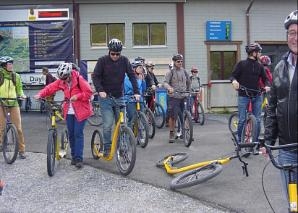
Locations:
(218, 30)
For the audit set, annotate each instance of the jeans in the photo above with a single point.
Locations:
(76, 136)
(110, 113)
(287, 157)
(256, 111)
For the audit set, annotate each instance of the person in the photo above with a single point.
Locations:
(195, 84)
(108, 79)
(266, 62)
(176, 79)
(148, 79)
(247, 73)
(76, 108)
(128, 90)
(49, 79)
(150, 73)
(282, 118)
(11, 87)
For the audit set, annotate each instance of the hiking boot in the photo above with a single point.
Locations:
(22, 155)
(79, 164)
(172, 137)
(73, 161)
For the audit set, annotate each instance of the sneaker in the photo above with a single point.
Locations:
(22, 155)
(79, 164)
(172, 137)
(73, 161)
(1, 149)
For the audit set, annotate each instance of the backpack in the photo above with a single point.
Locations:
(13, 79)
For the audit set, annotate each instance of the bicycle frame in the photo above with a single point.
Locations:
(121, 120)
(292, 186)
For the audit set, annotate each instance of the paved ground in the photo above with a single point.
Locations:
(231, 191)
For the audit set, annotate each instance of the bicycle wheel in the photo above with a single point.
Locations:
(178, 127)
(140, 129)
(187, 129)
(196, 176)
(126, 151)
(151, 122)
(233, 122)
(64, 142)
(95, 119)
(159, 115)
(249, 131)
(10, 144)
(201, 114)
(51, 152)
(176, 158)
(96, 143)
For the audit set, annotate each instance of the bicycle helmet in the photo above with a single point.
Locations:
(136, 64)
(115, 45)
(291, 19)
(253, 47)
(5, 59)
(64, 70)
(140, 59)
(194, 69)
(177, 57)
(265, 60)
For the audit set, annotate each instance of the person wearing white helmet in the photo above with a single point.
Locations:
(281, 121)
(11, 87)
(108, 78)
(76, 108)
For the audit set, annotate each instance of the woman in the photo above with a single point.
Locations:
(76, 109)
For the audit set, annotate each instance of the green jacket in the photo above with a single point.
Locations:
(8, 89)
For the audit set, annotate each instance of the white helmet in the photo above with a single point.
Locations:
(291, 19)
(64, 70)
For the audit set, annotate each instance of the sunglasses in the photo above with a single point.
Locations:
(179, 61)
(113, 54)
(194, 71)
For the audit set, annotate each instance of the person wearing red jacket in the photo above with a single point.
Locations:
(76, 109)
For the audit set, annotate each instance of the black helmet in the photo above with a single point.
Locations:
(5, 59)
(177, 57)
(253, 47)
(115, 45)
(291, 19)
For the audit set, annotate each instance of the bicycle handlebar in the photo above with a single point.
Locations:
(251, 92)
(269, 149)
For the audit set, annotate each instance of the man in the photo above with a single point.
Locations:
(108, 79)
(282, 118)
(247, 73)
(49, 79)
(11, 87)
(176, 79)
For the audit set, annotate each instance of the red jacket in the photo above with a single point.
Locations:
(79, 87)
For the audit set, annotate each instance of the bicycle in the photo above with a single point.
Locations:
(151, 121)
(10, 140)
(56, 150)
(157, 109)
(95, 119)
(292, 186)
(197, 110)
(123, 143)
(201, 171)
(184, 125)
(140, 126)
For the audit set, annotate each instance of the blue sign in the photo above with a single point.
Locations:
(218, 30)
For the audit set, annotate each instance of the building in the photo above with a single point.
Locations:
(211, 34)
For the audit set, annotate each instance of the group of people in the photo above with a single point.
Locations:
(115, 76)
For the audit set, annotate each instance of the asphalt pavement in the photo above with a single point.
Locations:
(146, 189)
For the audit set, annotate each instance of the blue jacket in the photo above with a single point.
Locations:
(128, 89)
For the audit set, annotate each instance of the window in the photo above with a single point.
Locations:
(153, 34)
(101, 34)
(222, 64)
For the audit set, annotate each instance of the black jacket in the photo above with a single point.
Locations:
(282, 113)
(108, 76)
